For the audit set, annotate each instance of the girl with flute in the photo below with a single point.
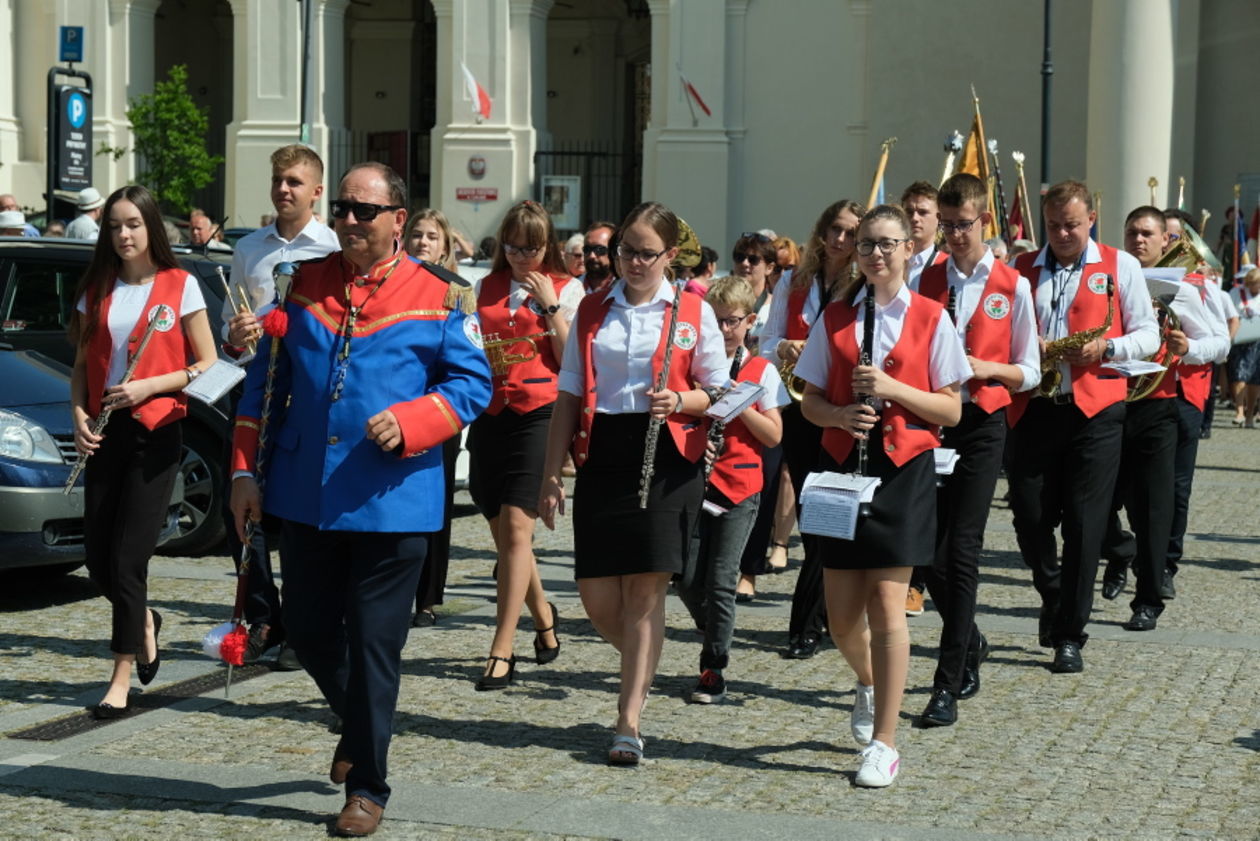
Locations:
(132, 284)
(913, 376)
(524, 306)
(628, 369)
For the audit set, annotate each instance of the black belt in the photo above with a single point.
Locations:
(1060, 399)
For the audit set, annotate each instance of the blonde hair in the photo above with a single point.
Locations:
(794, 252)
(732, 292)
(447, 259)
(814, 254)
(296, 153)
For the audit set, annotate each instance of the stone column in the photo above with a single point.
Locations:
(10, 127)
(683, 147)
(1130, 122)
(503, 42)
(266, 99)
(741, 214)
(128, 73)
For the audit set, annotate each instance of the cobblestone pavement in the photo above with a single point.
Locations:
(1158, 738)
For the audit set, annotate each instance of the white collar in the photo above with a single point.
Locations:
(985, 263)
(902, 297)
(664, 292)
(1092, 254)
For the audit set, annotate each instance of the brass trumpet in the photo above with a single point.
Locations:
(794, 384)
(1051, 378)
(501, 359)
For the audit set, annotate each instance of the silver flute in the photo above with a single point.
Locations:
(654, 423)
(103, 418)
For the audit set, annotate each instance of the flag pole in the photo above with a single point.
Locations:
(879, 170)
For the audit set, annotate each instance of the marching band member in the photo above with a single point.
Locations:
(1148, 450)
(133, 281)
(609, 389)
(917, 366)
(798, 301)
(378, 366)
(429, 238)
(992, 307)
(1066, 446)
(527, 294)
(735, 489)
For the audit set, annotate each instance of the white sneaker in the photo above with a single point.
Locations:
(879, 766)
(862, 719)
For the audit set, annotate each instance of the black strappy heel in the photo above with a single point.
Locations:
(542, 654)
(489, 681)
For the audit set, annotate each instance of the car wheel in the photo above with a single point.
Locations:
(201, 475)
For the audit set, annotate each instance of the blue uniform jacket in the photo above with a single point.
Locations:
(409, 353)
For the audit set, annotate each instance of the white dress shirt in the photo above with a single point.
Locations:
(1056, 289)
(1209, 342)
(918, 262)
(776, 325)
(947, 362)
(1025, 350)
(775, 395)
(625, 344)
(257, 253)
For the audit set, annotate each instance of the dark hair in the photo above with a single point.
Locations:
(962, 188)
(101, 272)
(757, 244)
(1146, 211)
(529, 221)
(1187, 221)
(595, 226)
(919, 189)
(656, 216)
(397, 188)
(708, 257)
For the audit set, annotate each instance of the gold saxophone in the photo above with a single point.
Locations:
(1054, 352)
(501, 359)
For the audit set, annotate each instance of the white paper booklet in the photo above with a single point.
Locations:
(946, 459)
(830, 503)
(215, 381)
(731, 404)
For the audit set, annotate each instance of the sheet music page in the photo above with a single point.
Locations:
(731, 404)
(215, 381)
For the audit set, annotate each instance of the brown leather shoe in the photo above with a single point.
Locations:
(359, 817)
(341, 763)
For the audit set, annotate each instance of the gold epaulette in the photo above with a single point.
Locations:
(460, 298)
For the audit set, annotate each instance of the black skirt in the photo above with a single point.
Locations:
(611, 534)
(505, 459)
(900, 530)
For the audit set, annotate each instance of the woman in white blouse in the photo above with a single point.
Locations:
(624, 553)
(913, 379)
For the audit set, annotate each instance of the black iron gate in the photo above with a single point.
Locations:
(609, 186)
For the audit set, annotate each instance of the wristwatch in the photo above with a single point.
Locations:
(551, 310)
(1110, 350)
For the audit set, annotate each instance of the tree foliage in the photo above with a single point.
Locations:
(170, 134)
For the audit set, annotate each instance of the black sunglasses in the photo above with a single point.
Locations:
(363, 211)
(597, 250)
(753, 259)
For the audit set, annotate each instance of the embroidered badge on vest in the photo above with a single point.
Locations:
(1097, 283)
(997, 306)
(165, 317)
(686, 336)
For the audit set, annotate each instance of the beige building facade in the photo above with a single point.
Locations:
(590, 115)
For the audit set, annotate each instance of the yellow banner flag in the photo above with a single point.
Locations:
(975, 161)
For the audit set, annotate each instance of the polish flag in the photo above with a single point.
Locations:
(695, 95)
(476, 93)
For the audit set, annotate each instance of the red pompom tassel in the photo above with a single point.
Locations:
(233, 648)
(276, 323)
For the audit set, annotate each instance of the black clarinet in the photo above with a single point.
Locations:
(952, 305)
(717, 428)
(868, 349)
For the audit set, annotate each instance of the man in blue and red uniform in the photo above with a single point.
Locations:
(379, 364)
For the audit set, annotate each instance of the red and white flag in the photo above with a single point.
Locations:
(694, 95)
(476, 93)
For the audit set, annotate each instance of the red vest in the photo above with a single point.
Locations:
(737, 472)
(524, 386)
(797, 328)
(1094, 387)
(688, 432)
(905, 435)
(1195, 380)
(986, 336)
(168, 350)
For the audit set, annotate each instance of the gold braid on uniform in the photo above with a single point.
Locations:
(460, 297)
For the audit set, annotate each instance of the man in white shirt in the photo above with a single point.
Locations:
(87, 225)
(297, 182)
(1065, 448)
(919, 202)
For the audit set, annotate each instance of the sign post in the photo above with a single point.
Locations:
(69, 159)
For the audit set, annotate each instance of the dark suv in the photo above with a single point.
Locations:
(37, 282)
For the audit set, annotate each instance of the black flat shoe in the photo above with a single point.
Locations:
(148, 671)
(488, 681)
(744, 598)
(801, 648)
(424, 618)
(108, 712)
(971, 670)
(1067, 659)
(542, 654)
(1144, 619)
(941, 710)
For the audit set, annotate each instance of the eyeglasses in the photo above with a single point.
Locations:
(639, 256)
(962, 226)
(597, 250)
(731, 323)
(866, 247)
(755, 235)
(514, 250)
(364, 211)
(573, 254)
(753, 259)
